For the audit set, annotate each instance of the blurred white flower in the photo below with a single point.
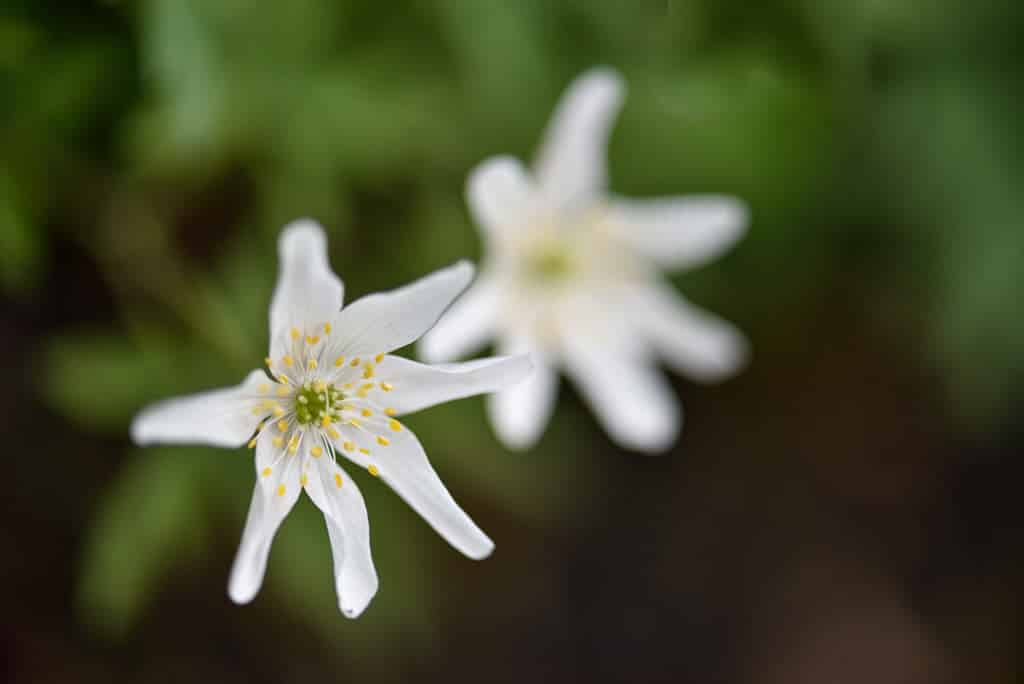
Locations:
(332, 388)
(571, 275)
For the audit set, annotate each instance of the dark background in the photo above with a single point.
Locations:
(845, 510)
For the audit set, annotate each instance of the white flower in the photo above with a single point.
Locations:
(571, 276)
(332, 388)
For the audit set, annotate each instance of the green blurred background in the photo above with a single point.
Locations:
(844, 511)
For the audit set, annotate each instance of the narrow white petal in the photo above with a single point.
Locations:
(403, 465)
(348, 528)
(219, 417)
(379, 323)
(417, 385)
(693, 341)
(465, 327)
(308, 293)
(520, 413)
(629, 395)
(679, 232)
(571, 164)
(500, 194)
(270, 505)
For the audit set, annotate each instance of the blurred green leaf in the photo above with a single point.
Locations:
(21, 243)
(151, 518)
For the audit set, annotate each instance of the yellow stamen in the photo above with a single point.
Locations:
(367, 413)
(252, 443)
(312, 363)
(327, 328)
(312, 339)
(278, 411)
(269, 361)
(364, 451)
(334, 433)
(379, 358)
(395, 425)
(319, 386)
(282, 425)
(278, 442)
(304, 480)
(372, 469)
(264, 388)
(383, 441)
(354, 422)
(390, 411)
(355, 362)
(348, 446)
(325, 422)
(386, 387)
(280, 490)
(339, 361)
(316, 452)
(266, 472)
(337, 480)
(296, 334)
(288, 360)
(283, 391)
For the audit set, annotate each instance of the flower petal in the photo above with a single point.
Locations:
(403, 465)
(500, 194)
(465, 327)
(308, 292)
(269, 507)
(693, 341)
(219, 417)
(679, 232)
(571, 164)
(520, 413)
(418, 385)
(379, 323)
(629, 395)
(344, 510)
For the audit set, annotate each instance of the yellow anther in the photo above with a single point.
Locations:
(278, 442)
(266, 472)
(304, 480)
(348, 446)
(282, 425)
(390, 411)
(269, 361)
(264, 388)
(364, 451)
(372, 469)
(257, 410)
(283, 379)
(325, 422)
(293, 448)
(288, 360)
(327, 328)
(367, 372)
(278, 411)
(347, 386)
(366, 413)
(281, 490)
(296, 334)
(333, 432)
(355, 362)
(312, 339)
(383, 441)
(386, 387)
(252, 443)
(316, 452)
(339, 361)
(268, 404)
(395, 425)
(354, 422)
(319, 386)
(337, 480)
(312, 363)
(283, 391)
(379, 358)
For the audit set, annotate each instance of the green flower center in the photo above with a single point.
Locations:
(313, 405)
(550, 262)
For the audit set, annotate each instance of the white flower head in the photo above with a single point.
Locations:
(332, 389)
(571, 276)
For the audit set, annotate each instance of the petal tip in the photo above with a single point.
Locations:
(301, 233)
